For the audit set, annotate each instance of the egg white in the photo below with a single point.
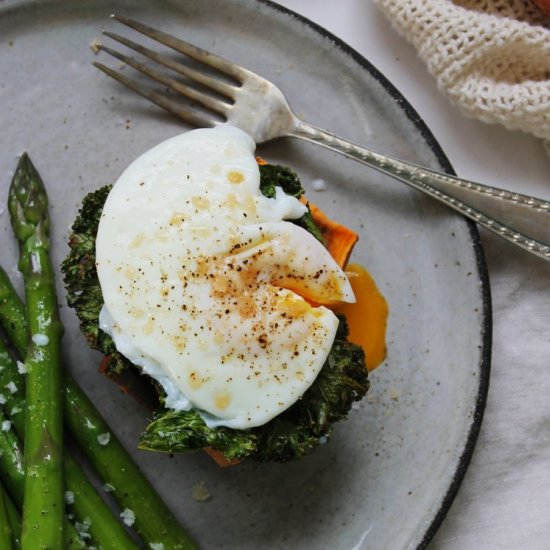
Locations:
(204, 282)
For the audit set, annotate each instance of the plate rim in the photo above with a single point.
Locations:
(485, 291)
(483, 273)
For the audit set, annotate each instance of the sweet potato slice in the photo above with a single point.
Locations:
(339, 239)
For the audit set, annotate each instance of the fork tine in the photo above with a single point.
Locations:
(204, 99)
(215, 84)
(187, 114)
(203, 56)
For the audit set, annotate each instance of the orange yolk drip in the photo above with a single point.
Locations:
(367, 317)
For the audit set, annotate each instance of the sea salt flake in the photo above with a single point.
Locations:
(12, 387)
(36, 267)
(128, 517)
(21, 367)
(393, 394)
(156, 546)
(103, 439)
(108, 488)
(83, 528)
(69, 497)
(319, 185)
(40, 339)
(2, 399)
(6, 426)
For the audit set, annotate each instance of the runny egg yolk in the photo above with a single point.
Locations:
(367, 317)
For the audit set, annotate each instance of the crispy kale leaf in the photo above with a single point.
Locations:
(292, 434)
(181, 431)
(82, 283)
(83, 290)
(273, 175)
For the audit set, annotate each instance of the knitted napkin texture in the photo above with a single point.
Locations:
(490, 57)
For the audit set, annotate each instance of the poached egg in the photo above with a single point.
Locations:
(206, 285)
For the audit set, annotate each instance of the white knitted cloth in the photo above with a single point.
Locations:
(491, 57)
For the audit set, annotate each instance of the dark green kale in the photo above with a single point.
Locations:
(181, 431)
(83, 291)
(273, 175)
(82, 283)
(292, 434)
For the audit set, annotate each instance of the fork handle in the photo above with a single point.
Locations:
(513, 216)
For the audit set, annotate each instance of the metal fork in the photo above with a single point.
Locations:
(235, 95)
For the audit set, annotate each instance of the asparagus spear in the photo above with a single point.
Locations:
(6, 533)
(154, 521)
(11, 466)
(11, 461)
(43, 507)
(14, 518)
(11, 309)
(12, 474)
(87, 505)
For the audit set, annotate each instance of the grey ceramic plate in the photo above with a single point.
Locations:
(390, 472)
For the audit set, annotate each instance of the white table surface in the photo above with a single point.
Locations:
(504, 500)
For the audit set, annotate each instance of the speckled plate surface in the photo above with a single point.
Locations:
(390, 472)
